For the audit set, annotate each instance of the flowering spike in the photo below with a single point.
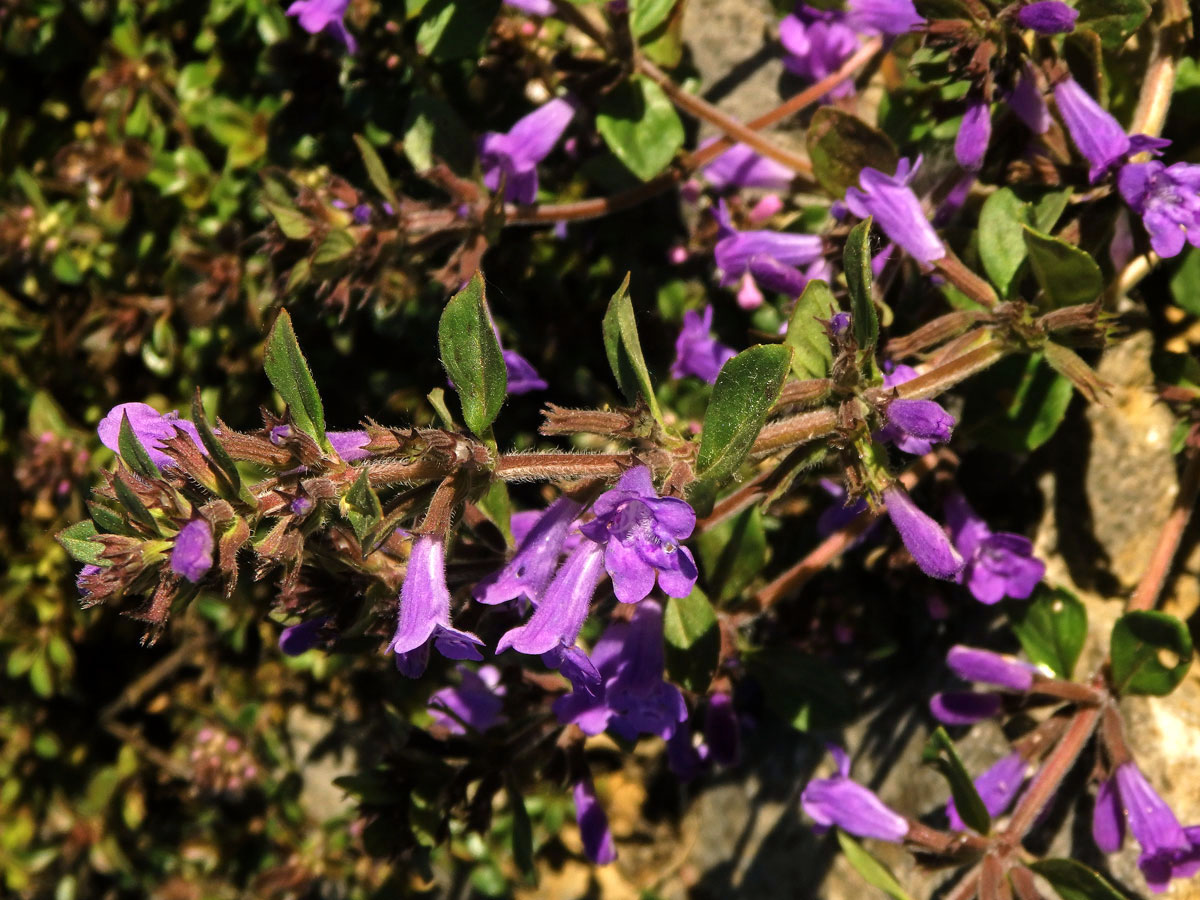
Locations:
(963, 707)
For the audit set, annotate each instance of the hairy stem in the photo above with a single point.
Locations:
(553, 466)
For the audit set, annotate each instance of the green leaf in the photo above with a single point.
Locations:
(336, 246)
(1185, 283)
(472, 356)
(293, 223)
(842, 145)
(522, 831)
(692, 640)
(804, 691)
(1066, 274)
(227, 470)
(1051, 628)
(733, 553)
(857, 262)
(1002, 239)
(433, 131)
(872, 870)
(942, 755)
(107, 519)
(497, 507)
(361, 507)
(77, 541)
(288, 372)
(1075, 881)
(624, 350)
(1137, 642)
(648, 15)
(133, 453)
(132, 504)
(455, 29)
(376, 171)
(1114, 20)
(746, 389)
(640, 126)
(812, 355)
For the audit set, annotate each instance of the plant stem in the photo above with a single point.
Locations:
(553, 466)
(1155, 576)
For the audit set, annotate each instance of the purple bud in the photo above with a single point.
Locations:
(924, 538)
(923, 419)
(887, 17)
(301, 637)
(192, 555)
(963, 707)
(997, 788)
(850, 806)
(1048, 17)
(973, 135)
(986, 667)
(593, 824)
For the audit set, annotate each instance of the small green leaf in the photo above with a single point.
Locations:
(804, 691)
(692, 640)
(522, 831)
(1114, 20)
(872, 870)
(337, 245)
(132, 504)
(133, 453)
(107, 519)
(1137, 641)
(1185, 283)
(1075, 881)
(288, 372)
(1001, 238)
(293, 223)
(226, 469)
(733, 553)
(77, 541)
(807, 335)
(1051, 628)
(1066, 274)
(648, 15)
(842, 145)
(746, 389)
(361, 507)
(434, 132)
(472, 356)
(455, 29)
(640, 126)
(376, 171)
(942, 755)
(497, 506)
(857, 262)
(624, 350)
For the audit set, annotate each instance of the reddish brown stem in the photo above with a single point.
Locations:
(552, 466)
(1151, 584)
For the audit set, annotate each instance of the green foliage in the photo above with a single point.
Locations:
(805, 692)
(624, 350)
(807, 334)
(1075, 881)
(640, 126)
(288, 372)
(692, 640)
(1066, 274)
(872, 870)
(842, 145)
(472, 357)
(1151, 653)
(941, 754)
(864, 320)
(1051, 627)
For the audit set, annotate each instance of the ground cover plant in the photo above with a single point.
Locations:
(574, 448)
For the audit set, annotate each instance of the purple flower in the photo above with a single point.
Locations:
(635, 700)
(350, 445)
(641, 534)
(192, 554)
(522, 376)
(1097, 135)
(997, 565)
(973, 135)
(533, 7)
(896, 210)
(316, 16)
(923, 537)
(1167, 199)
(816, 43)
(697, 352)
(986, 667)
(513, 156)
(150, 427)
(593, 824)
(1048, 17)
(425, 612)
(1168, 849)
(850, 806)
(553, 628)
(531, 570)
(85, 573)
(888, 17)
(741, 167)
(963, 707)
(918, 421)
(997, 788)
(1027, 102)
(301, 637)
(771, 258)
(477, 702)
